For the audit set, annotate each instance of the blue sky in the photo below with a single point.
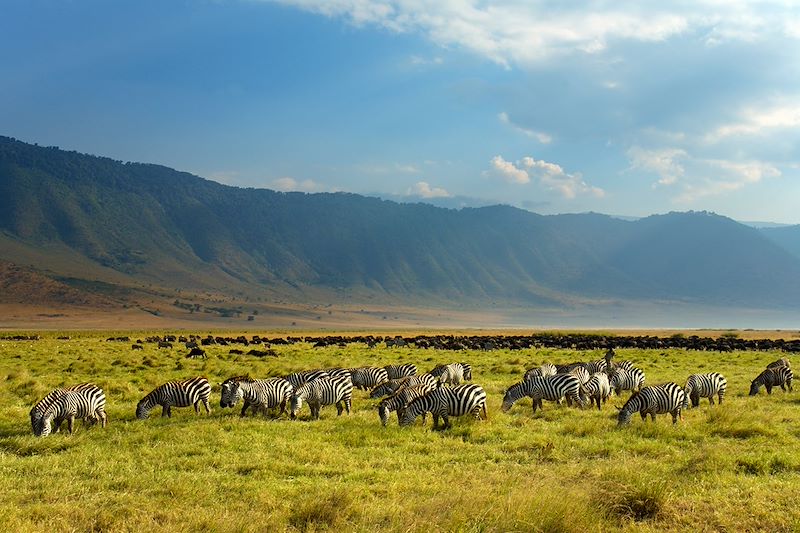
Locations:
(625, 108)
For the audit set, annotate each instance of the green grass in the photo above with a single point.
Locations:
(733, 467)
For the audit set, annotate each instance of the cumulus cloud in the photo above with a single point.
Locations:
(507, 171)
(759, 121)
(554, 178)
(287, 184)
(539, 136)
(519, 32)
(664, 162)
(423, 189)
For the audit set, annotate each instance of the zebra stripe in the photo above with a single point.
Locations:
(597, 389)
(400, 371)
(89, 389)
(551, 388)
(653, 400)
(176, 393)
(454, 373)
(780, 376)
(400, 400)
(446, 402)
(258, 394)
(581, 373)
(779, 363)
(69, 406)
(621, 380)
(705, 386)
(593, 367)
(546, 369)
(394, 385)
(298, 379)
(323, 391)
(368, 377)
(338, 373)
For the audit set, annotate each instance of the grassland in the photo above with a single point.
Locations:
(734, 467)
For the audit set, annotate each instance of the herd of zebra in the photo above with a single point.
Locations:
(411, 395)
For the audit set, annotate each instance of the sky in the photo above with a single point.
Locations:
(623, 108)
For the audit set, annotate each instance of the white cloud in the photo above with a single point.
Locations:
(663, 162)
(539, 136)
(507, 171)
(759, 121)
(287, 184)
(426, 62)
(424, 190)
(522, 32)
(554, 178)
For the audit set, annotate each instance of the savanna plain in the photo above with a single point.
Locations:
(729, 467)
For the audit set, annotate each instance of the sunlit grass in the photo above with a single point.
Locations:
(730, 467)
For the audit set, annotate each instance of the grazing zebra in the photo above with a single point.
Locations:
(454, 373)
(546, 369)
(653, 400)
(620, 365)
(69, 406)
(88, 389)
(394, 385)
(338, 372)
(400, 400)
(551, 388)
(705, 386)
(258, 394)
(323, 391)
(581, 373)
(176, 393)
(621, 380)
(779, 363)
(779, 376)
(368, 377)
(400, 371)
(597, 389)
(593, 367)
(446, 402)
(298, 379)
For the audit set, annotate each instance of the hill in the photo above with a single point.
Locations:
(102, 224)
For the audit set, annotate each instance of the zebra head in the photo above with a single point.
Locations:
(407, 417)
(295, 404)
(511, 396)
(754, 386)
(625, 414)
(383, 413)
(231, 394)
(143, 408)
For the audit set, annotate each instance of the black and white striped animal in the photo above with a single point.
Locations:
(320, 392)
(400, 371)
(257, 394)
(446, 402)
(298, 379)
(593, 367)
(780, 362)
(193, 391)
(780, 376)
(338, 373)
(621, 380)
(551, 388)
(581, 373)
(400, 400)
(705, 386)
(597, 389)
(546, 369)
(657, 399)
(69, 406)
(453, 374)
(89, 389)
(394, 385)
(368, 377)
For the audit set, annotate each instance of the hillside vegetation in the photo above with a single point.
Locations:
(131, 223)
(731, 467)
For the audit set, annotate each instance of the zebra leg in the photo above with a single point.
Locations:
(244, 408)
(711, 399)
(435, 420)
(166, 410)
(769, 389)
(348, 404)
(447, 424)
(208, 407)
(71, 423)
(101, 414)
(485, 414)
(283, 408)
(339, 408)
(644, 416)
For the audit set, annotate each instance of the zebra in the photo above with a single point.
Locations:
(367, 377)
(619, 365)
(546, 369)
(400, 371)
(467, 371)
(657, 399)
(323, 391)
(88, 389)
(299, 379)
(779, 363)
(178, 393)
(779, 376)
(446, 402)
(597, 389)
(705, 386)
(257, 394)
(454, 373)
(400, 400)
(69, 406)
(394, 385)
(338, 372)
(551, 388)
(581, 373)
(621, 380)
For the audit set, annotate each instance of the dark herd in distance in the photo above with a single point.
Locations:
(444, 400)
